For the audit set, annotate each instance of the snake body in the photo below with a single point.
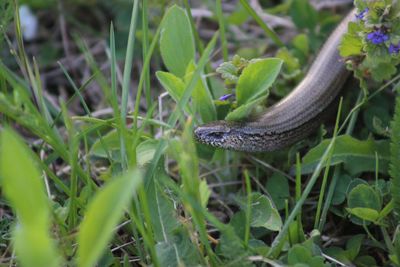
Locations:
(296, 115)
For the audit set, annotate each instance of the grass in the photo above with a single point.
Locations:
(125, 188)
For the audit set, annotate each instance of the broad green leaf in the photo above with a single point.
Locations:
(176, 41)
(351, 44)
(23, 187)
(145, 151)
(201, 96)
(357, 155)
(364, 202)
(256, 79)
(299, 254)
(263, 214)
(353, 246)
(338, 254)
(353, 183)
(318, 261)
(163, 215)
(383, 71)
(341, 189)
(238, 16)
(173, 84)
(366, 214)
(291, 63)
(231, 247)
(102, 215)
(109, 144)
(301, 43)
(238, 223)
(364, 196)
(303, 14)
(306, 255)
(178, 251)
(245, 110)
(378, 114)
(365, 260)
(278, 188)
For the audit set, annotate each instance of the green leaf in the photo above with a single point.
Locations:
(145, 151)
(108, 144)
(351, 44)
(173, 84)
(231, 247)
(366, 214)
(299, 254)
(256, 79)
(278, 188)
(163, 215)
(303, 14)
(338, 254)
(301, 43)
(364, 196)
(244, 110)
(102, 215)
(383, 71)
(364, 202)
(291, 63)
(318, 261)
(365, 260)
(23, 186)
(263, 214)
(201, 96)
(341, 189)
(178, 251)
(176, 41)
(357, 156)
(353, 246)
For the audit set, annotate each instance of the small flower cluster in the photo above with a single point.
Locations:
(225, 97)
(362, 13)
(394, 49)
(379, 36)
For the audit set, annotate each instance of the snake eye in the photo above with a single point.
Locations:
(216, 135)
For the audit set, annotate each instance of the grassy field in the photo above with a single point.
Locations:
(99, 167)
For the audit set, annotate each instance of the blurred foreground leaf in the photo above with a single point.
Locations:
(23, 187)
(102, 216)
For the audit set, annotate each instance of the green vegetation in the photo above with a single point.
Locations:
(98, 165)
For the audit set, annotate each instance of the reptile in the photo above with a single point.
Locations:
(295, 116)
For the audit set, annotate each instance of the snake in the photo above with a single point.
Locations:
(296, 115)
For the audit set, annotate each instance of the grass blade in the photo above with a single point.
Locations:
(269, 32)
(102, 216)
(125, 84)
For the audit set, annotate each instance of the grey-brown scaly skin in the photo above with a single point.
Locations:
(296, 115)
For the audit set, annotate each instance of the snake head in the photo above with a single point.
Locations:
(220, 134)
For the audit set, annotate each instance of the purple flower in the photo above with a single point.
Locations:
(377, 37)
(225, 97)
(362, 13)
(394, 49)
